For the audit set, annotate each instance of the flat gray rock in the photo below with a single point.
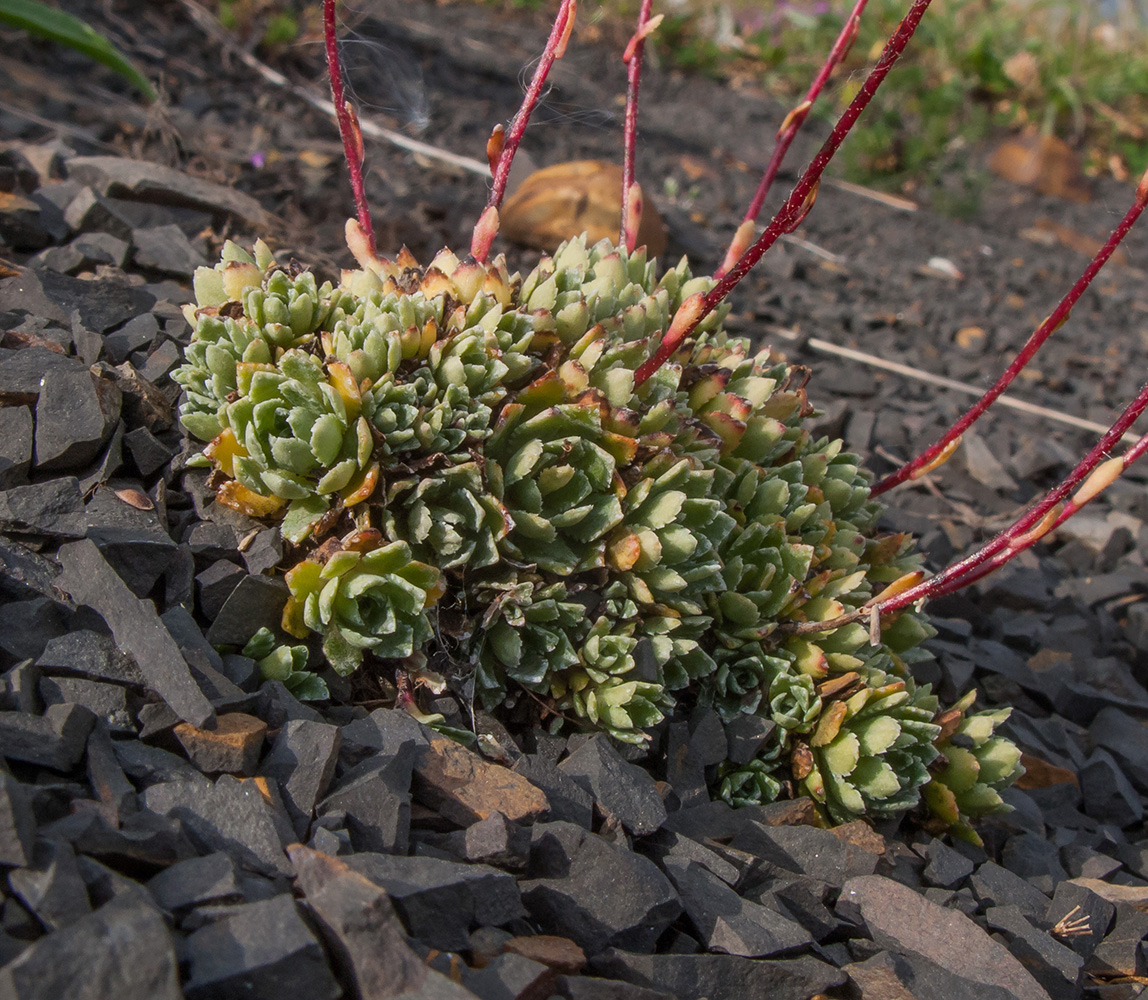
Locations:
(123, 950)
(721, 977)
(620, 789)
(167, 250)
(136, 627)
(232, 815)
(728, 923)
(75, 416)
(902, 920)
(16, 431)
(595, 893)
(53, 508)
(120, 177)
(442, 901)
(255, 951)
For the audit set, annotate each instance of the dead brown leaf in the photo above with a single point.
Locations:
(134, 498)
(1043, 162)
(1041, 774)
(582, 196)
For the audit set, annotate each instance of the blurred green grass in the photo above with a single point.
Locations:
(976, 70)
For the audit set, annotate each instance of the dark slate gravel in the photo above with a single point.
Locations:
(155, 796)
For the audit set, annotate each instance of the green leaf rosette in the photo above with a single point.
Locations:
(375, 601)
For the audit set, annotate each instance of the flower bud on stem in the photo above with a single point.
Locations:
(800, 199)
(789, 128)
(555, 48)
(348, 126)
(631, 213)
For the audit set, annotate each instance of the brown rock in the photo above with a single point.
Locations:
(559, 202)
(877, 979)
(464, 788)
(232, 747)
(790, 812)
(1041, 774)
(559, 953)
(360, 927)
(860, 834)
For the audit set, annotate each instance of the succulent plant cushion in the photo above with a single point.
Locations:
(470, 478)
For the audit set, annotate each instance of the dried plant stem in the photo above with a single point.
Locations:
(631, 194)
(789, 128)
(796, 206)
(487, 226)
(1056, 319)
(918, 375)
(1077, 489)
(348, 126)
(208, 23)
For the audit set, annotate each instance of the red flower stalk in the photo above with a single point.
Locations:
(789, 128)
(936, 453)
(1092, 474)
(631, 193)
(1103, 476)
(348, 126)
(502, 151)
(796, 206)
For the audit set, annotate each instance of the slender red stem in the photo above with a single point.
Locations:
(348, 125)
(487, 226)
(1056, 319)
(1036, 522)
(1069, 508)
(796, 206)
(789, 128)
(632, 214)
(1033, 516)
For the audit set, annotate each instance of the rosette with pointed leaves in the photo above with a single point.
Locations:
(295, 431)
(247, 311)
(973, 767)
(666, 547)
(553, 465)
(610, 686)
(744, 677)
(530, 629)
(871, 751)
(447, 516)
(287, 664)
(375, 600)
(757, 782)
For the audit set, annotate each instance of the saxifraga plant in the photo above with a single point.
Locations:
(580, 500)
